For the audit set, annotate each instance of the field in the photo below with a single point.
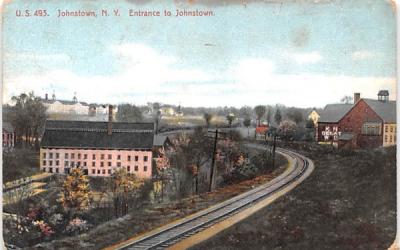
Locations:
(349, 202)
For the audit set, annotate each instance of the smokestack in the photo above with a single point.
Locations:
(357, 97)
(110, 119)
(46, 96)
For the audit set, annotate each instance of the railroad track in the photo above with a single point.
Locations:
(185, 228)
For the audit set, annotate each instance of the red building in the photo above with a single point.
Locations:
(8, 135)
(366, 124)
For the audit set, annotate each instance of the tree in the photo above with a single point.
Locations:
(75, 193)
(27, 116)
(129, 113)
(207, 117)
(278, 116)
(230, 117)
(287, 129)
(260, 112)
(269, 116)
(310, 124)
(346, 99)
(124, 188)
(247, 123)
(295, 115)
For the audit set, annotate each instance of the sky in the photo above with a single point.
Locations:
(296, 53)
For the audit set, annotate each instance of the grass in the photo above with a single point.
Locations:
(349, 202)
(20, 163)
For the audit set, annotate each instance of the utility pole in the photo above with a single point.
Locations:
(213, 161)
(273, 151)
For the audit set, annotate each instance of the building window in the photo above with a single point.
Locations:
(145, 158)
(66, 156)
(386, 128)
(94, 164)
(119, 157)
(93, 171)
(72, 164)
(109, 171)
(102, 164)
(94, 157)
(118, 164)
(50, 163)
(51, 170)
(109, 157)
(44, 169)
(385, 138)
(85, 156)
(128, 168)
(136, 158)
(104, 171)
(98, 171)
(136, 168)
(44, 155)
(51, 155)
(57, 163)
(371, 129)
(391, 129)
(109, 164)
(102, 156)
(44, 163)
(129, 158)
(84, 163)
(65, 163)
(145, 168)
(390, 139)
(79, 156)
(57, 155)
(56, 170)
(72, 156)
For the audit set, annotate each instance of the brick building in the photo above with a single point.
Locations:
(97, 147)
(367, 123)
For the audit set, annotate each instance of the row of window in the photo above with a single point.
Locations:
(57, 163)
(128, 168)
(85, 156)
(392, 139)
(392, 129)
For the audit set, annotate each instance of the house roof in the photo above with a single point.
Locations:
(385, 110)
(85, 134)
(7, 127)
(160, 140)
(383, 92)
(334, 112)
(65, 102)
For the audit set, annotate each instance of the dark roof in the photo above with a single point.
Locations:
(65, 102)
(383, 92)
(161, 140)
(7, 127)
(385, 109)
(85, 134)
(334, 112)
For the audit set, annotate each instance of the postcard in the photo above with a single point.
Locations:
(199, 124)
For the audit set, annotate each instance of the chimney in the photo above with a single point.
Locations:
(110, 119)
(46, 97)
(357, 97)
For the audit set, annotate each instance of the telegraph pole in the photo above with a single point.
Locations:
(213, 161)
(273, 151)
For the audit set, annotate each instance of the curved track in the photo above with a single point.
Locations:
(175, 232)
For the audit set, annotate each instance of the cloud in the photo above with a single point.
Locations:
(305, 58)
(362, 55)
(147, 75)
